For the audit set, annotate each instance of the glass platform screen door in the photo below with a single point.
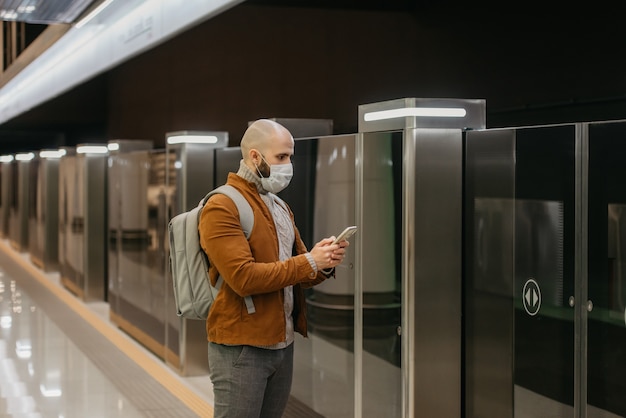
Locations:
(544, 306)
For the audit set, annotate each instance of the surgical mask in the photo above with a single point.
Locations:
(279, 178)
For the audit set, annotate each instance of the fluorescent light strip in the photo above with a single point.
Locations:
(92, 149)
(192, 139)
(102, 44)
(52, 153)
(24, 156)
(436, 112)
(6, 158)
(113, 146)
(93, 14)
(8, 14)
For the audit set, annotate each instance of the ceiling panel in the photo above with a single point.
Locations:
(43, 11)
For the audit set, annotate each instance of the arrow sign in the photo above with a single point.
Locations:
(531, 297)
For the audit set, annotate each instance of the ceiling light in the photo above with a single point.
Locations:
(51, 13)
(26, 9)
(8, 14)
(124, 29)
(93, 13)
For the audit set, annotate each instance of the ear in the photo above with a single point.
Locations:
(255, 156)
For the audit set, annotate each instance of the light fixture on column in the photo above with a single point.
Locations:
(52, 153)
(197, 137)
(24, 156)
(422, 113)
(91, 149)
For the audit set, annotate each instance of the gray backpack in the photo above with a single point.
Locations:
(189, 264)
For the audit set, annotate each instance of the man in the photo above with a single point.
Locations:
(251, 351)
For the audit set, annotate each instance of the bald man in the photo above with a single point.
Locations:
(251, 351)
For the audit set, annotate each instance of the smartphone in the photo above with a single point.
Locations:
(345, 234)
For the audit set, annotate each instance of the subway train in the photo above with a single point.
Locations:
(486, 279)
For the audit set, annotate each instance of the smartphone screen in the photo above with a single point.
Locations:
(345, 234)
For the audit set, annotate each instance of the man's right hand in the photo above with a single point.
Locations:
(328, 255)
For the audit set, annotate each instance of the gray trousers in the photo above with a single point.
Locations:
(250, 382)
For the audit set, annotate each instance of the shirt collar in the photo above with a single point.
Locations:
(250, 176)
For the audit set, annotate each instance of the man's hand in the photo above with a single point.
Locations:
(329, 255)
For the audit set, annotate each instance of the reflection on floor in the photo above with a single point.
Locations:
(61, 357)
(43, 372)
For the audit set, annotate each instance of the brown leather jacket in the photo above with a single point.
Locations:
(251, 267)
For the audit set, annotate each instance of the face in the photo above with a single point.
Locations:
(279, 150)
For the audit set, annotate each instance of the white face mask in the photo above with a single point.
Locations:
(279, 178)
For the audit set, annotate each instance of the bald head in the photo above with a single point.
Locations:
(260, 134)
(269, 138)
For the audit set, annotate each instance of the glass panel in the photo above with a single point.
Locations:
(381, 238)
(140, 239)
(489, 268)
(71, 223)
(114, 215)
(15, 195)
(606, 357)
(173, 208)
(544, 270)
(520, 355)
(34, 232)
(5, 190)
(321, 195)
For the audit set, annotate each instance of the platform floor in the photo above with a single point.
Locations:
(62, 357)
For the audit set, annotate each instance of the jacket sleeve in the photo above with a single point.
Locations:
(301, 249)
(248, 267)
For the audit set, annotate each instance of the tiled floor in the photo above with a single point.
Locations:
(43, 372)
(60, 357)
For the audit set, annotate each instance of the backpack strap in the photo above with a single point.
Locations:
(246, 218)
